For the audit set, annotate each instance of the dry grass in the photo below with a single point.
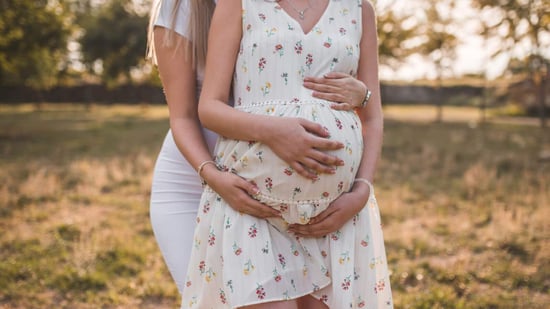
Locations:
(465, 210)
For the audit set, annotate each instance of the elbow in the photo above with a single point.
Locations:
(202, 112)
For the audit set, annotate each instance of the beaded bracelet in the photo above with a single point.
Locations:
(203, 164)
(364, 180)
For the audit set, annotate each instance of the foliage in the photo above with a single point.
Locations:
(33, 42)
(523, 23)
(115, 37)
(394, 34)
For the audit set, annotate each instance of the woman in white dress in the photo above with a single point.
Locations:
(265, 49)
(176, 187)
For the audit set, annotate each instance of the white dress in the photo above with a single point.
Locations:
(176, 188)
(239, 260)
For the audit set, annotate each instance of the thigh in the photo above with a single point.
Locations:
(310, 302)
(289, 304)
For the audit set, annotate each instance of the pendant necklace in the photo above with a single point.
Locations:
(300, 12)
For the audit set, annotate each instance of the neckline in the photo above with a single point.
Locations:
(300, 25)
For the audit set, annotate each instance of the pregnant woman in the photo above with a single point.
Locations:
(266, 49)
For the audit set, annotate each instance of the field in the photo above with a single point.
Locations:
(465, 207)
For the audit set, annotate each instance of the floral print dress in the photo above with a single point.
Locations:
(238, 260)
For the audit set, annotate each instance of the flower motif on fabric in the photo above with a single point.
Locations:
(342, 31)
(296, 191)
(333, 63)
(279, 49)
(261, 64)
(340, 186)
(365, 241)
(262, 17)
(336, 235)
(271, 31)
(289, 171)
(298, 47)
(344, 257)
(354, 23)
(248, 267)
(328, 43)
(349, 50)
(380, 286)
(248, 86)
(206, 208)
(260, 292)
(285, 77)
(269, 184)
(265, 249)
(282, 260)
(237, 249)
(276, 276)
(309, 61)
(211, 238)
(346, 283)
(223, 299)
(253, 231)
(229, 284)
(266, 89)
(344, 12)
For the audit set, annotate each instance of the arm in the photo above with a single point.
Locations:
(297, 141)
(350, 203)
(179, 82)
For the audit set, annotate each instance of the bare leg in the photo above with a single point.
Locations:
(290, 304)
(309, 302)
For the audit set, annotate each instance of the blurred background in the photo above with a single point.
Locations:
(463, 184)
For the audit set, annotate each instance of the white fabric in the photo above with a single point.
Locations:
(164, 17)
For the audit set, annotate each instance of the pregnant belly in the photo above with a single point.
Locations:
(298, 198)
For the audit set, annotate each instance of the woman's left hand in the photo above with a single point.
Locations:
(333, 218)
(344, 90)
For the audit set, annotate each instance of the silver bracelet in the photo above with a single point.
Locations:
(366, 99)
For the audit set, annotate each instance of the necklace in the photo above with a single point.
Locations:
(300, 12)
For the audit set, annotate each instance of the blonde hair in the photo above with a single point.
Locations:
(200, 15)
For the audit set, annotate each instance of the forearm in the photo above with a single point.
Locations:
(232, 123)
(190, 140)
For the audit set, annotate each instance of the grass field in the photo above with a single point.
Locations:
(466, 209)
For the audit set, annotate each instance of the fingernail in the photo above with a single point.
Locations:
(255, 191)
(341, 163)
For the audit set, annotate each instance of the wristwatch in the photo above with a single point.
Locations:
(366, 99)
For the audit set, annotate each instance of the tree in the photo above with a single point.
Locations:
(114, 39)
(394, 34)
(439, 42)
(33, 42)
(524, 23)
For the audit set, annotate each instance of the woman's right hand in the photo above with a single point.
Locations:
(301, 143)
(237, 192)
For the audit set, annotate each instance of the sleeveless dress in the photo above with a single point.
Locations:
(238, 260)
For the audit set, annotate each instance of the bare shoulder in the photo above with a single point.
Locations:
(368, 9)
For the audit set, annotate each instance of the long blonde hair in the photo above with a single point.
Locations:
(200, 15)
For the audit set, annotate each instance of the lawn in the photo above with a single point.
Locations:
(465, 207)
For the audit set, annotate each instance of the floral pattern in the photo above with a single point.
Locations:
(248, 260)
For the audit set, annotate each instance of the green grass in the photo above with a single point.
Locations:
(465, 209)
